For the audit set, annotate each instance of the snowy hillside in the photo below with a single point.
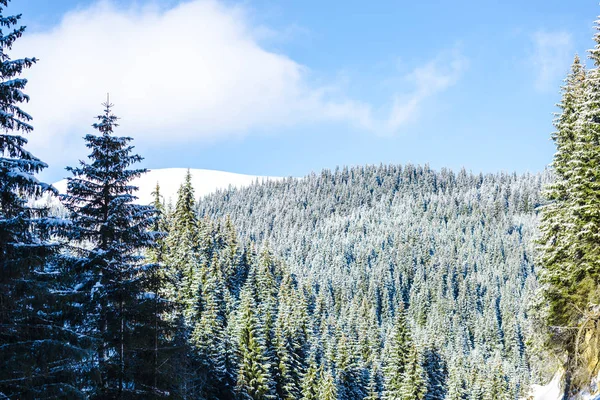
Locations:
(204, 182)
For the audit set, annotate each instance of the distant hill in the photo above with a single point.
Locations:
(204, 182)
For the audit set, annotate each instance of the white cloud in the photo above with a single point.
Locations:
(191, 73)
(552, 52)
(430, 79)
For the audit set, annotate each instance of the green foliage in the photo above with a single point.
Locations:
(570, 228)
(39, 355)
(116, 291)
(400, 348)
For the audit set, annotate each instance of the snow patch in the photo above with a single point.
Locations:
(551, 391)
(170, 179)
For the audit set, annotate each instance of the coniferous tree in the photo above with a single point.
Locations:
(107, 238)
(348, 377)
(183, 269)
(327, 386)
(38, 354)
(399, 348)
(437, 374)
(310, 382)
(254, 377)
(561, 272)
(570, 256)
(413, 386)
(209, 331)
(456, 385)
(289, 342)
(373, 388)
(183, 245)
(161, 369)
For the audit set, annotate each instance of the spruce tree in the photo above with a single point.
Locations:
(208, 335)
(437, 374)
(289, 342)
(38, 354)
(413, 386)
(399, 347)
(373, 392)
(183, 245)
(456, 384)
(108, 235)
(569, 251)
(254, 369)
(327, 387)
(561, 272)
(310, 382)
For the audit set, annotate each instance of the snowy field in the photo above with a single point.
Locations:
(204, 182)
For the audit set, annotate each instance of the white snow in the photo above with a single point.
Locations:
(551, 391)
(170, 179)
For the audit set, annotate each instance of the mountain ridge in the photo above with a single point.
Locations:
(204, 181)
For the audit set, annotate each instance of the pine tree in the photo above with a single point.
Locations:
(413, 386)
(161, 353)
(209, 331)
(38, 354)
(183, 245)
(497, 386)
(183, 270)
(560, 269)
(290, 342)
(254, 378)
(437, 374)
(456, 384)
(373, 388)
(327, 386)
(108, 235)
(399, 347)
(570, 256)
(310, 382)
(349, 380)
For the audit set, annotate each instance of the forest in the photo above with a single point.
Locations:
(359, 283)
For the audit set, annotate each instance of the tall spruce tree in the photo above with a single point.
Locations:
(183, 265)
(184, 248)
(396, 358)
(437, 374)
(327, 387)
(254, 377)
(37, 353)
(114, 283)
(413, 386)
(570, 227)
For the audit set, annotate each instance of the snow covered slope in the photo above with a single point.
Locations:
(551, 391)
(204, 182)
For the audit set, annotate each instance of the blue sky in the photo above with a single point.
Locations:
(286, 88)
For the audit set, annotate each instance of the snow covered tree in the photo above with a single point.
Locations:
(437, 374)
(349, 380)
(373, 392)
(557, 238)
(183, 245)
(107, 238)
(413, 386)
(327, 386)
(38, 355)
(456, 385)
(570, 255)
(254, 378)
(208, 335)
(395, 364)
(310, 382)
(290, 342)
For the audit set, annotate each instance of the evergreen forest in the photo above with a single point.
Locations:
(396, 282)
